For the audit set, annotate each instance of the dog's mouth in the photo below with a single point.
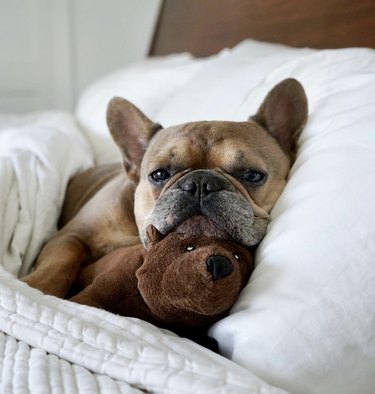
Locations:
(203, 226)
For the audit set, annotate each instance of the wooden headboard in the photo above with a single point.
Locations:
(203, 27)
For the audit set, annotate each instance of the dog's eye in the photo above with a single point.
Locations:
(236, 256)
(160, 175)
(190, 248)
(253, 177)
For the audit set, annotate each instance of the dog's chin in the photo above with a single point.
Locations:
(202, 226)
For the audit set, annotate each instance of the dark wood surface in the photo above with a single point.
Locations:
(204, 27)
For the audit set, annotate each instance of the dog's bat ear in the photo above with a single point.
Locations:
(131, 130)
(283, 113)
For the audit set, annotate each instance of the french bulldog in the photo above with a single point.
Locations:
(216, 178)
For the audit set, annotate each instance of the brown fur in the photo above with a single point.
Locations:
(106, 208)
(169, 285)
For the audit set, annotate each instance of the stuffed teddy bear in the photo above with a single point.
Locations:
(181, 282)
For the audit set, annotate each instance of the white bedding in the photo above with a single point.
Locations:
(305, 322)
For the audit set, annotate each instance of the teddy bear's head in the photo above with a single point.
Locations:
(192, 280)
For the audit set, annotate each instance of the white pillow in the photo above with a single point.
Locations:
(218, 90)
(306, 320)
(148, 84)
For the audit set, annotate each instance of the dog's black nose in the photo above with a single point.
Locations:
(200, 183)
(219, 266)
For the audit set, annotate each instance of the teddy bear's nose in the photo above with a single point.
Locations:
(219, 266)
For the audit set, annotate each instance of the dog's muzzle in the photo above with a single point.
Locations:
(205, 202)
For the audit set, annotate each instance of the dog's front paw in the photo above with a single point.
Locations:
(46, 285)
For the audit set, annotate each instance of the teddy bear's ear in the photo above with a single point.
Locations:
(153, 235)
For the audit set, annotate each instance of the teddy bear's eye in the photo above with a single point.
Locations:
(236, 256)
(190, 248)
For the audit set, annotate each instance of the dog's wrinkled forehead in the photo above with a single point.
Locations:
(213, 145)
(272, 132)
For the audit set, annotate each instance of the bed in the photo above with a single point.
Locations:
(305, 322)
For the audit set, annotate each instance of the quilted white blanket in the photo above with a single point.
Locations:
(48, 345)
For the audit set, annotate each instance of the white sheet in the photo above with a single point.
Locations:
(38, 155)
(52, 345)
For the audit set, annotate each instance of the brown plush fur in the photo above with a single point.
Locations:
(170, 284)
